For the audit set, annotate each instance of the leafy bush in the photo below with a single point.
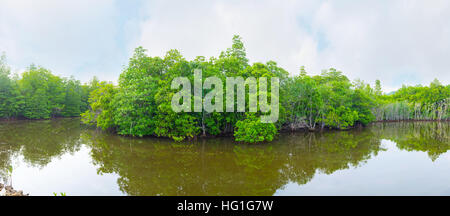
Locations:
(251, 130)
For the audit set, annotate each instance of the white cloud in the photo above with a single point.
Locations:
(69, 37)
(394, 41)
(269, 28)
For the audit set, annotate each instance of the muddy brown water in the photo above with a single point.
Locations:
(61, 155)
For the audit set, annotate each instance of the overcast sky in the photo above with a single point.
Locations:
(394, 41)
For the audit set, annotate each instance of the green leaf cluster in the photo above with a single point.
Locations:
(38, 94)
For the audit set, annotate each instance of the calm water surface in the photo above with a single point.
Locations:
(383, 159)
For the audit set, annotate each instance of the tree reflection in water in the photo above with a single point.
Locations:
(38, 142)
(430, 137)
(216, 166)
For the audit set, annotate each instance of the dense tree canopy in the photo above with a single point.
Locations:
(38, 94)
(140, 105)
(415, 103)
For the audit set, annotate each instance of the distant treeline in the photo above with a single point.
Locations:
(415, 103)
(38, 94)
(141, 104)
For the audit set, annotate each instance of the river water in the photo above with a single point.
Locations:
(61, 155)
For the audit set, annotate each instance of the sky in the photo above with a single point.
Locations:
(398, 42)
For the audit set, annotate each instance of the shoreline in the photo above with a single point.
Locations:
(411, 120)
(228, 135)
(9, 191)
(25, 119)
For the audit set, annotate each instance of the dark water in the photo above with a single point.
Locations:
(383, 159)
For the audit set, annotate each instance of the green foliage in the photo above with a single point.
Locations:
(363, 100)
(140, 105)
(72, 101)
(251, 130)
(304, 101)
(342, 117)
(327, 100)
(60, 194)
(36, 87)
(10, 98)
(38, 94)
(101, 109)
(415, 103)
(134, 102)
